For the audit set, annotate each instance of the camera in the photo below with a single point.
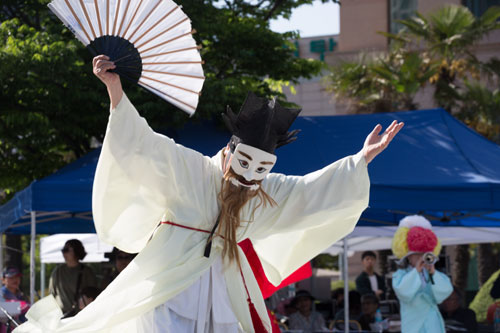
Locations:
(429, 258)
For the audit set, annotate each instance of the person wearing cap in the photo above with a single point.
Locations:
(10, 291)
(120, 260)
(11, 280)
(190, 275)
(305, 318)
(417, 284)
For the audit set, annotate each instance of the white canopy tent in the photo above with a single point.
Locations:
(380, 238)
(50, 250)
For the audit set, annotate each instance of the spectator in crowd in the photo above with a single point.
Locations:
(121, 260)
(305, 318)
(338, 300)
(87, 296)
(458, 318)
(369, 307)
(418, 285)
(67, 280)
(10, 291)
(290, 309)
(354, 307)
(11, 280)
(369, 282)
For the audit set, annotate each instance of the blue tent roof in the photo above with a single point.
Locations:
(436, 165)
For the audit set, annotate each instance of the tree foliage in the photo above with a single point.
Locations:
(383, 83)
(436, 50)
(449, 35)
(52, 107)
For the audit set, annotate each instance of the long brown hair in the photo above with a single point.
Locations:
(232, 199)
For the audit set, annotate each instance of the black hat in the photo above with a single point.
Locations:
(261, 123)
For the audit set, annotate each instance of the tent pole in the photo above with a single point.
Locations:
(1, 252)
(32, 257)
(346, 286)
(42, 280)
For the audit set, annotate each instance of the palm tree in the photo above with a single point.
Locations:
(384, 83)
(480, 109)
(449, 35)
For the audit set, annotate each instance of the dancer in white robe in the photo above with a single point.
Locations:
(143, 177)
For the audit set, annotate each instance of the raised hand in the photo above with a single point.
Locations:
(376, 143)
(101, 66)
(420, 266)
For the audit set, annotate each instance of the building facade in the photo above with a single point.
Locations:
(360, 24)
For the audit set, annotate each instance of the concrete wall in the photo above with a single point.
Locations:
(426, 6)
(359, 22)
(314, 99)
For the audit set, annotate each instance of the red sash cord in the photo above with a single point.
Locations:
(190, 228)
(257, 322)
(184, 226)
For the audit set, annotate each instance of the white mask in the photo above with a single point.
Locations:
(251, 163)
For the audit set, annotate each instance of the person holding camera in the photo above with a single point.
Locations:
(418, 285)
(69, 279)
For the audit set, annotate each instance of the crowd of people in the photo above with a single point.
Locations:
(416, 294)
(426, 300)
(73, 284)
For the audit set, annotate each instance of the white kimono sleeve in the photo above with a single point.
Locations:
(314, 211)
(140, 176)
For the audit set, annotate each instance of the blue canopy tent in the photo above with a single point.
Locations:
(436, 166)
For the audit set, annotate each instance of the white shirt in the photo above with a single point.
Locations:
(373, 282)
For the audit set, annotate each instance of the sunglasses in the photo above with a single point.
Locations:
(65, 249)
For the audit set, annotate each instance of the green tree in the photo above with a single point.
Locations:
(45, 117)
(382, 83)
(435, 49)
(480, 105)
(52, 107)
(449, 35)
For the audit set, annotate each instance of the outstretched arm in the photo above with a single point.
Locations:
(375, 143)
(101, 66)
(315, 210)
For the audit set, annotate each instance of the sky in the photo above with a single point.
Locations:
(317, 19)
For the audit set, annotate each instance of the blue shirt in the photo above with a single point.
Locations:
(9, 295)
(419, 299)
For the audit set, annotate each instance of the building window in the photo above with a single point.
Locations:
(401, 10)
(478, 7)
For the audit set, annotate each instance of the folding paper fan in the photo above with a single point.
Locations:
(150, 42)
